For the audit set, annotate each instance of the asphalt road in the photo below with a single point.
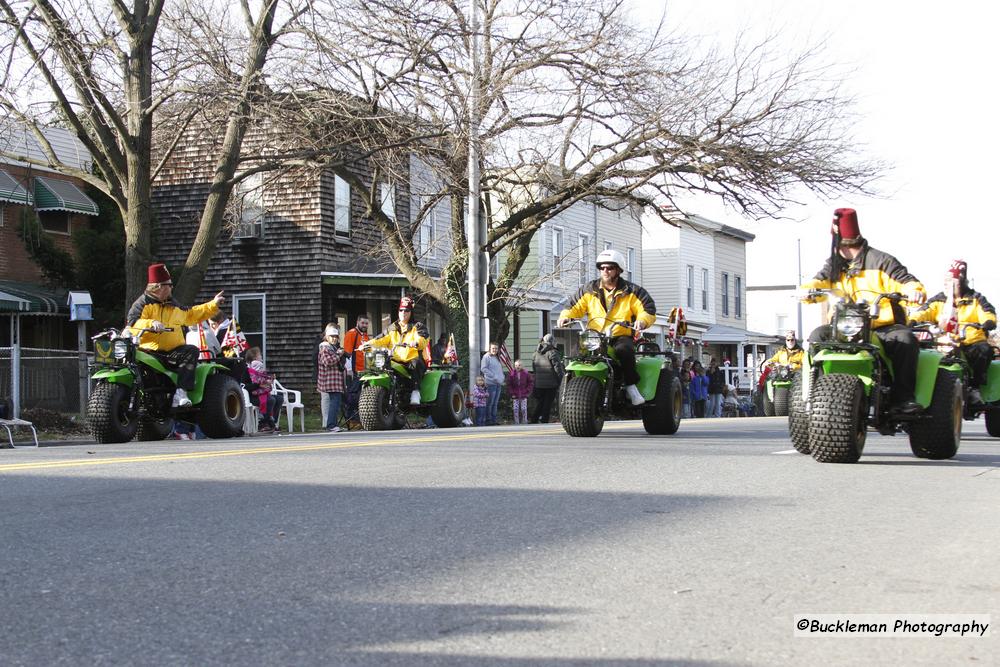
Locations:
(492, 546)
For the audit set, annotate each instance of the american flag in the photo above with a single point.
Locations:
(505, 358)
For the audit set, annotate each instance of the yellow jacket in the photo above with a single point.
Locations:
(971, 308)
(416, 334)
(627, 303)
(784, 356)
(146, 309)
(870, 274)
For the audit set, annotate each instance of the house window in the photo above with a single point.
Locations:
(737, 292)
(495, 267)
(248, 203)
(387, 196)
(556, 252)
(54, 221)
(3, 208)
(704, 289)
(341, 207)
(428, 228)
(725, 294)
(586, 259)
(248, 309)
(690, 286)
(630, 264)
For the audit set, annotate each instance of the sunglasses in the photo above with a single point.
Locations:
(405, 310)
(607, 267)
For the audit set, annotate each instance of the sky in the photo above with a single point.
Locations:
(921, 73)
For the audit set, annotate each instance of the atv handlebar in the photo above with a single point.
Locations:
(115, 333)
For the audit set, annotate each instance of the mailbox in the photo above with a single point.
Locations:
(81, 306)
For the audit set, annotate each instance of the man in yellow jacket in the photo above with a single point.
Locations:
(611, 299)
(863, 273)
(791, 354)
(414, 336)
(964, 307)
(156, 310)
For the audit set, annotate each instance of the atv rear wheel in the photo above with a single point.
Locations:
(108, 418)
(662, 415)
(221, 411)
(993, 422)
(781, 401)
(447, 410)
(938, 435)
(838, 423)
(375, 411)
(581, 407)
(798, 418)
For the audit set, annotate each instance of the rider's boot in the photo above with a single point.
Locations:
(633, 395)
(181, 399)
(415, 397)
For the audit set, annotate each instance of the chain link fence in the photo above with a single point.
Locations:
(49, 379)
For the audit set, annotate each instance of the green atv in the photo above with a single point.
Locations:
(954, 361)
(386, 387)
(845, 386)
(592, 388)
(133, 392)
(775, 397)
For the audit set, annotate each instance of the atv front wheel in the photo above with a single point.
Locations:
(798, 418)
(767, 403)
(108, 417)
(375, 411)
(221, 411)
(581, 407)
(662, 415)
(447, 410)
(938, 434)
(838, 423)
(781, 401)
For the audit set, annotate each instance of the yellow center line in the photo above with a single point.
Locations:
(183, 456)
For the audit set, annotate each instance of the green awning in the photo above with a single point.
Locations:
(11, 190)
(366, 280)
(31, 299)
(52, 194)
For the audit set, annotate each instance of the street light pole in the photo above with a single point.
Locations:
(472, 229)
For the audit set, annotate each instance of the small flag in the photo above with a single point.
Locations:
(451, 352)
(427, 355)
(505, 358)
(203, 343)
(234, 342)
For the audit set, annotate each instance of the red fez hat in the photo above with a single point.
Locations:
(958, 269)
(845, 220)
(157, 273)
(406, 302)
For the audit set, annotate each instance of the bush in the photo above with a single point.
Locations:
(51, 421)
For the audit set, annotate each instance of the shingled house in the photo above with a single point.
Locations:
(302, 253)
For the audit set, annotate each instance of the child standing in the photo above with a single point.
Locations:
(480, 398)
(520, 383)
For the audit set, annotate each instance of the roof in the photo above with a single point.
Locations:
(17, 141)
(31, 299)
(11, 190)
(720, 333)
(53, 194)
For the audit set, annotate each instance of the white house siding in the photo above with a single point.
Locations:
(622, 230)
(424, 183)
(697, 249)
(730, 259)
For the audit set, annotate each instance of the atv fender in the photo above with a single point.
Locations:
(430, 383)
(597, 370)
(115, 376)
(201, 373)
(377, 380)
(927, 372)
(991, 390)
(649, 369)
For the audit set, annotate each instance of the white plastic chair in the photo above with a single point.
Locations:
(251, 415)
(293, 400)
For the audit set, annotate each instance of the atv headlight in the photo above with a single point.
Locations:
(590, 341)
(850, 326)
(381, 360)
(120, 349)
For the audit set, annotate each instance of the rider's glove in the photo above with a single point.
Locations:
(157, 326)
(915, 296)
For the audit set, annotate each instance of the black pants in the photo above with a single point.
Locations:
(417, 368)
(543, 410)
(624, 348)
(181, 359)
(979, 355)
(902, 349)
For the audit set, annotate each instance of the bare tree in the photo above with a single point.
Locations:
(105, 69)
(579, 103)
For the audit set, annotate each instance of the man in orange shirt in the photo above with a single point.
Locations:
(353, 340)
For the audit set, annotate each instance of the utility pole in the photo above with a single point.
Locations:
(473, 230)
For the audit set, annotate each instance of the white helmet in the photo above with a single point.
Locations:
(611, 256)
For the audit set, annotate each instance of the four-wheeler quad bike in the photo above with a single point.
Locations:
(775, 397)
(133, 392)
(845, 387)
(592, 387)
(385, 393)
(954, 360)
